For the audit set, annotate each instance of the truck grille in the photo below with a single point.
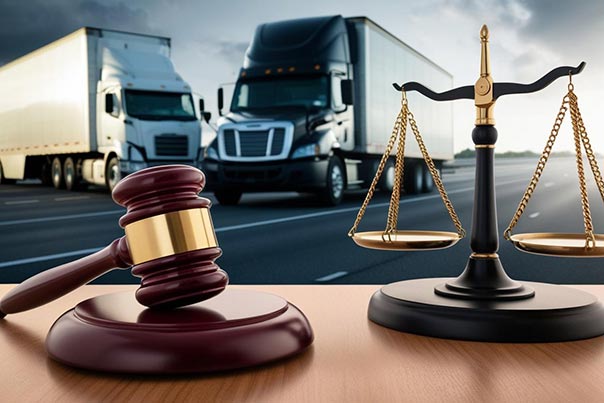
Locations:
(172, 146)
(254, 143)
(229, 142)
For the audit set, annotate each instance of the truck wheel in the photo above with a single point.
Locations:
(228, 197)
(70, 174)
(428, 181)
(414, 179)
(334, 191)
(112, 173)
(56, 173)
(386, 183)
(3, 180)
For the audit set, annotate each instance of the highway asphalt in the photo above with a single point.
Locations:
(285, 238)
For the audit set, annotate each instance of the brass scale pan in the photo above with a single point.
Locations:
(541, 243)
(406, 240)
(558, 244)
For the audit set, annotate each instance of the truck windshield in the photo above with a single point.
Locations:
(155, 105)
(308, 92)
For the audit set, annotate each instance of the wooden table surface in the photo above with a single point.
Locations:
(351, 360)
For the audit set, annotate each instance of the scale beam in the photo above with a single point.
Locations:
(499, 89)
(515, 88)
(466, 92)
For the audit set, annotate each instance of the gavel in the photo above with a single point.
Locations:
(169, 243)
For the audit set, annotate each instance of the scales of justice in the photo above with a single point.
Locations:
(484, 303)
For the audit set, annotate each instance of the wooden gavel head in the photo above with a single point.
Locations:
(170, 236)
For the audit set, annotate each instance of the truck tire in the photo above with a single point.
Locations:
(335, 182)
(386, 183)
(3, 180)
(56, 173)
(112, 173)
(428, 185)
(228, 197)
(70, 174)
(413, 182)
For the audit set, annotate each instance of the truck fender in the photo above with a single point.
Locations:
(327, 141)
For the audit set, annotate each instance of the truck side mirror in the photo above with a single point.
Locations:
(220, 100)
(347, 92)
(202, 106)
(111, 105)
(206, 116)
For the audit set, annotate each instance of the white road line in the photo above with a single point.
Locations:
(71, 198)
(347, 210)
(332, 276)
(534, 215)
(60, 217)
(329, 212)
(49, 257)
(22, 202)
(222, 229)
(549, 184)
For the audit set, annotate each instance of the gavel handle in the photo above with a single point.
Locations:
(58, 281)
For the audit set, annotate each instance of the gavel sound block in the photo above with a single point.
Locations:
(181, 319)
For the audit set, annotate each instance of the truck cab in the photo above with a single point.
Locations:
(146, 114)
(289, 118)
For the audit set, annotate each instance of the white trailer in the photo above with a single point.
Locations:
(94, 106)
(384, 59)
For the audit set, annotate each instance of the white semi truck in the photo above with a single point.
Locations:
(94, 106)
(313, 109)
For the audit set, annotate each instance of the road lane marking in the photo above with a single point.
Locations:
(48, 257)
(22, 202)
(61, 217)
(71, 198)
(223, 229)
(534, 215)
(348, 209)
(332, 276)
(549, 184)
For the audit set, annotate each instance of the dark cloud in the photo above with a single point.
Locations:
(27, 25)
(564, 24)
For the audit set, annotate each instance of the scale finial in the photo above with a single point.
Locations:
(485, 59)
(483, 89)
(484, 33)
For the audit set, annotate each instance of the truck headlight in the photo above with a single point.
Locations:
(211, 153)
(308, 150)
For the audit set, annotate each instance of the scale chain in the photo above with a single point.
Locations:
(580, 137)
(539, 170)
(399, 169)
(587, 222)
(399, 130)
(435, 176)
(589, 151)
(376, 178)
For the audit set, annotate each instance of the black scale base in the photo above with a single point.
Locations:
(555, 313)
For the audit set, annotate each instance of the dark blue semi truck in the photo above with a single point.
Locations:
(313, 109)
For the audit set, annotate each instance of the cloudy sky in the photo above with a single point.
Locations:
(209, 38)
